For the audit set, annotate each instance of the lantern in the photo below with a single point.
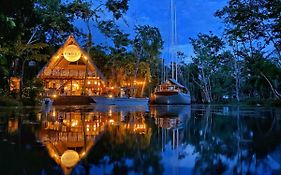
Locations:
(72, 53)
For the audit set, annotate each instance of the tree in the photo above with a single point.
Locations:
(207, 48)
(254, 27)
(147, 46)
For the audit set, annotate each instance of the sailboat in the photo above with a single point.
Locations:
(171, 92)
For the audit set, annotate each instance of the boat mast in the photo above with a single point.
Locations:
(172, 37)
(174, 40)
(163, 71)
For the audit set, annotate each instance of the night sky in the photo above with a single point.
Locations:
(193, 17)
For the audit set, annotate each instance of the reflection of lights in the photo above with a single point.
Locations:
(139, 127)
(74, 123)
(110, 96)
(111, 121)
(54, 113)
(110, 112)
(39, 116)
(69, 158)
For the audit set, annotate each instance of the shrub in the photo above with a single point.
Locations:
(9, 101)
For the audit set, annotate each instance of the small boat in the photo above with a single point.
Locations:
(170, 93)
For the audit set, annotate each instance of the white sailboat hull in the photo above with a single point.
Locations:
(176, 98)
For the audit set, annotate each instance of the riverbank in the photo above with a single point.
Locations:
(251, 102)
(11, 101)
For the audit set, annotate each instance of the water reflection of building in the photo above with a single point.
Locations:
(13, 125)
(69, 134)
(170, 119)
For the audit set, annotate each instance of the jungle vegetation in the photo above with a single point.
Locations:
(242, 65)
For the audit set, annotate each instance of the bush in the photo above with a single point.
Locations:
(253, 101)
(9, 101)
(276, 103)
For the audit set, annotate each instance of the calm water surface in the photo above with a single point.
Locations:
(158, 140)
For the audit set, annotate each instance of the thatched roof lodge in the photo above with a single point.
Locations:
(72, 72)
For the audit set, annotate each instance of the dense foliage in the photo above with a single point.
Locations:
(32, 30)
(245, 63)
(242, 65)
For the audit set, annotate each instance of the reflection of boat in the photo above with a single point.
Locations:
(168, 116)
(170, 92)
(170, 119)
(119, 100)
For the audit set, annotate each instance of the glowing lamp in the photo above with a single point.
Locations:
(69, 158)
(72, 53)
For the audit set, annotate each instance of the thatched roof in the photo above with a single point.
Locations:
(58, 62)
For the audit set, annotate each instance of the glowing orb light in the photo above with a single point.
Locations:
(72, 53)
(69, 158)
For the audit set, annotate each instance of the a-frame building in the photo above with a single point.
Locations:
(71, 72)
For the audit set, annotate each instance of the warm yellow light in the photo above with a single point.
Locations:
(98, 83)
(111, 121)
(85, 57)
(74, 123)
(55, 95)
(72, 53)
(69, 158)
(89, 82)
(110, 96)
(95, 82)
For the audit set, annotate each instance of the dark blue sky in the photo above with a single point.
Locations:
(193, 17)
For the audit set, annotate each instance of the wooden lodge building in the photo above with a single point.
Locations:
(72, 72)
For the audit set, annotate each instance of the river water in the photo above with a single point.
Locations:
(172, 140)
